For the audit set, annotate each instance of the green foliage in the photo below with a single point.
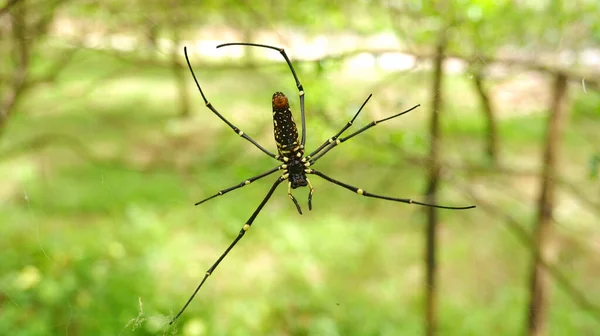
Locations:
(586, 105)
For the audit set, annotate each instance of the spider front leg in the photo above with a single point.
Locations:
(214, 110)
(298, 84)
(334, 142)
(333, 138)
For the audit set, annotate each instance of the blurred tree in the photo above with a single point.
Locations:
(429, 23)
(483, 30)
(23, 33)
(20, 51)
(489, 111)
(539, 283)
(178, 22)
(433, 185)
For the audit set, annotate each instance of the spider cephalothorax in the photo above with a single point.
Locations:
(297, 175)
(295, 166)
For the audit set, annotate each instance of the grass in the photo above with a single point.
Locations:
(108, 217)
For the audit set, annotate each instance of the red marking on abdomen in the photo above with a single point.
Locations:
(280, 101)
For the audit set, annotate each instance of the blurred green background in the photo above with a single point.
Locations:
(105, 145)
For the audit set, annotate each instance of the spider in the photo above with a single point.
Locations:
(295, 166)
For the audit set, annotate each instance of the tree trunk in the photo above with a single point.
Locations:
(181, 82)
(490, 115)
(249, 55)
(432, 187)
(28, 23)
(538, 281)
(20, 50)
(178, 70)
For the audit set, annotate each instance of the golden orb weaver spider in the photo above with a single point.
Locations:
(295, 165)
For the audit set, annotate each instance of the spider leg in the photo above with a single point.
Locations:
(310, 194)
(242, 184)
(245, 228)
(293, 198)
(214, 110)
(368, 194)
(333, 138)
(298, 85)
(339, 141)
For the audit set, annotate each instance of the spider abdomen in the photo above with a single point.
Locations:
(285, 130)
